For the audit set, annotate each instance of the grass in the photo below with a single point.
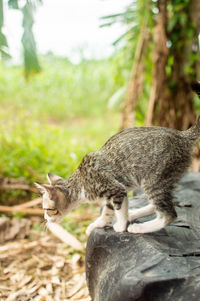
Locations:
(47, 147)
(62, 91)
(49, 123)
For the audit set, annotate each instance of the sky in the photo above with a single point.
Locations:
(68, 28)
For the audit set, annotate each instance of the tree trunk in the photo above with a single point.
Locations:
(160, 56)
(171, 100)
(136, 81)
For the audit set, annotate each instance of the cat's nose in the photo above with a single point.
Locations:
(48, 218)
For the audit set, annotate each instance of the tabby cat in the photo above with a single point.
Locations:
(154, 158)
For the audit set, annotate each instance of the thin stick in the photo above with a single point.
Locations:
(65, 236)
(29, 211)
(29, 203)
(18, 187)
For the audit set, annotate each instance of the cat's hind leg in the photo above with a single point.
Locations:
(141, 212)
(103, 220)
(164, 208)
(152, 226)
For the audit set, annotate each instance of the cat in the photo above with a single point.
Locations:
(154, 158)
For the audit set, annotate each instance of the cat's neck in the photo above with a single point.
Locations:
(75, 188)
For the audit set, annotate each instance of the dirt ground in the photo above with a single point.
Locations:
(37, 266)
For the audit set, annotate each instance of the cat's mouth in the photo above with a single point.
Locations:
(52, 215)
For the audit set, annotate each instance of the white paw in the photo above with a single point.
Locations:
(120, 227)
(96, 224)
(90, 228)
(136, 228)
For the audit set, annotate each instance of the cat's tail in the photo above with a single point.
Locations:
(193, 133)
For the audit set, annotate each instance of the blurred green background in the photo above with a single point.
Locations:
(54, 111)
(61, 114)
(73, 73)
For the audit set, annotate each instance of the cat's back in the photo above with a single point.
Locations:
(138, 153)
(142, 145)
(146, 151)
(138, 145)
(140, 137)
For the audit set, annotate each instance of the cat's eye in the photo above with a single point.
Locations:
(52, 212)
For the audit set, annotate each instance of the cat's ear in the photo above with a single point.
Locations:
(52, 178)
(43, 187)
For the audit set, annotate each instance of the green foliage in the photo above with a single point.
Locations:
(182, 42)
(28, 41)
(19, 215)
(46, 147)
(13, 4)
(130, 18)
(139, 14)
(62, 91)
(31, 63)
(3, 41)
(52, 121)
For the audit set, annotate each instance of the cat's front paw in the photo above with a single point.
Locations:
(90, 228)
(120, 227)
(135, 228)
(97, 224)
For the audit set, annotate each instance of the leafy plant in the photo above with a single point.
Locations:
(31, 63)
(173, 28)
(3, 41)
(51, 122)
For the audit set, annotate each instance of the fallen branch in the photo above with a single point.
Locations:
(29, 203)
(28, 211)
(16, 184)
(18, 187)
(65, 236)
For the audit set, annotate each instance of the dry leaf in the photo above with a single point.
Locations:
(37, 269)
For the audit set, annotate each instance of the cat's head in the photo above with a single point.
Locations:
(56, 201)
